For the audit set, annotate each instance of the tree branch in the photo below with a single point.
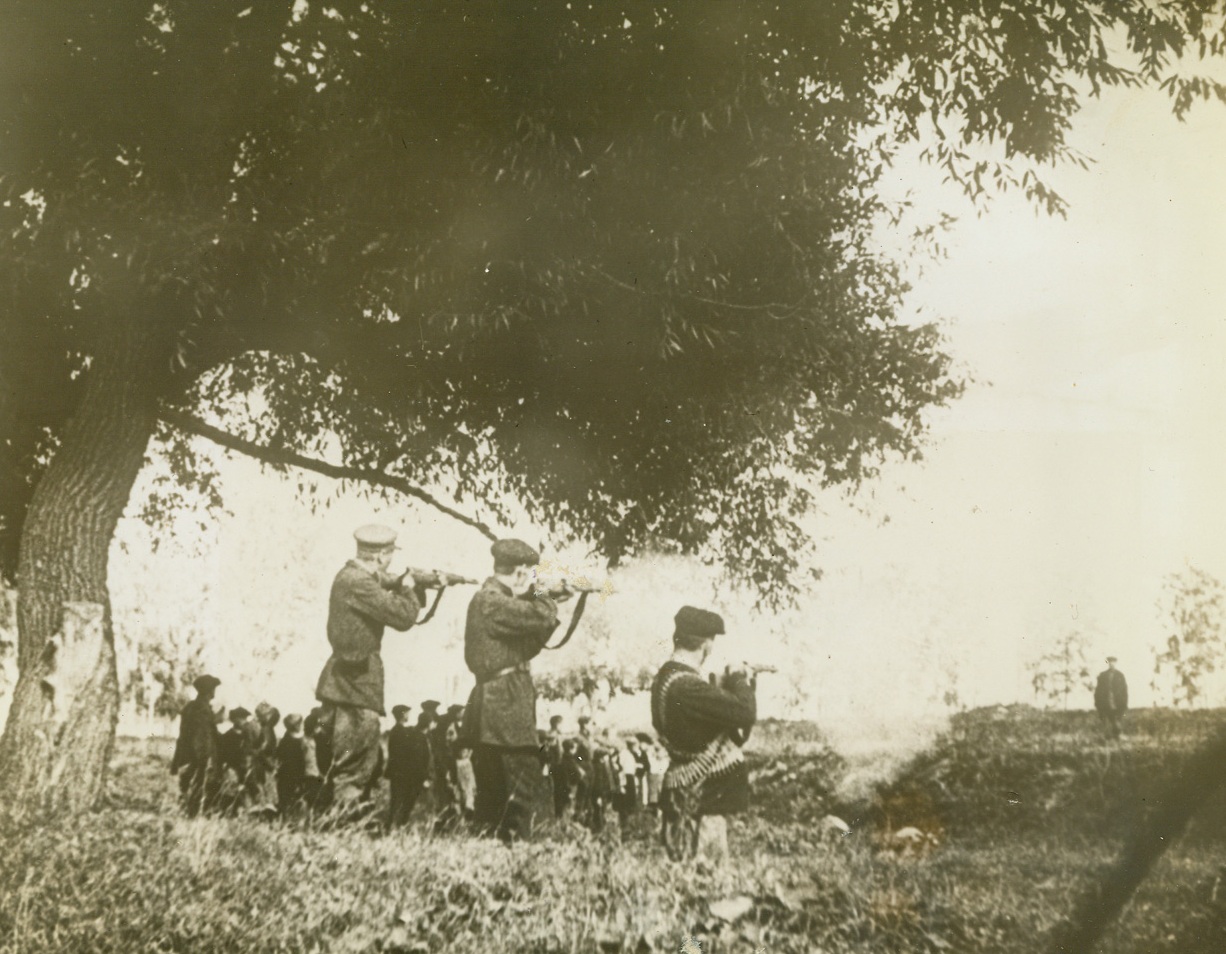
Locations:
(193, 425)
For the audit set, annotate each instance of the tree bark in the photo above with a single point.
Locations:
(61, 724)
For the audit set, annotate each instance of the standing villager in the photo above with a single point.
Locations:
(702, 727)
(626, 799)
(460, 763)
(552, 752)
(237, 749)
(262, 782)
(448, 810)
(365, 599)
(408, 765)
(574, 773)
(507, 626)
(315, 730)
(1111, 698)
(642, 742)
(297, 771)
(197, 752)
(585, 754)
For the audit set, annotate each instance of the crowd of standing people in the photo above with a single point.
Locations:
(486, 765)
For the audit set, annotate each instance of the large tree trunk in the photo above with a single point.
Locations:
(61, 724)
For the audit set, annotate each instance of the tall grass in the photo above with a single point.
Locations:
(135, 876)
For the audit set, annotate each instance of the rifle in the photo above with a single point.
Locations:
(430, 579)
(565, 587)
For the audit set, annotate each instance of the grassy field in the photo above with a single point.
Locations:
(1028, 807)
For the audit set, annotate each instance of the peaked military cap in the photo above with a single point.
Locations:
(430, 705)
(454, 710)
(698, 622)
(374, 536)
(514, 553)
(397, 710)
(205, 683)
(239, 713)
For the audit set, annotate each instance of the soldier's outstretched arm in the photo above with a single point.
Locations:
(395, 608)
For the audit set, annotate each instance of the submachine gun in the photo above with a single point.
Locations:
(430, 580)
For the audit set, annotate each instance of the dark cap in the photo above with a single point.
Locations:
(205, 683)
(514, 553)
(1113, 659)
(430, 705)
(698, 622)
(584, 719)
(239, 713)
(455, 710)
(375, 537)
(555, 719)
(400, 710)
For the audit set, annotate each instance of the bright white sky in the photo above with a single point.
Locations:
(1087, 462)
(1084, 465)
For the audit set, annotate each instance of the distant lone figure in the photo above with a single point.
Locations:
(1111, 698)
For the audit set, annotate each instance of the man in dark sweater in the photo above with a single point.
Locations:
(508, 625)
(703, 727)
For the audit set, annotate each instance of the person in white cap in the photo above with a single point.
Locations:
(364, 600)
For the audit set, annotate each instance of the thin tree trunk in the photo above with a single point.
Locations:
(61, 725)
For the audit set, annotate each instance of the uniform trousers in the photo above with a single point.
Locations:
(356, 754)
(508, 790)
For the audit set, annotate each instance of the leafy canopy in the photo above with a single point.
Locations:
(619, 262)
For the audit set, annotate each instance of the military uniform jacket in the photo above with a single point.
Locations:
(502, 634)
(359, 608)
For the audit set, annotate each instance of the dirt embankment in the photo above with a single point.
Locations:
(996, 772)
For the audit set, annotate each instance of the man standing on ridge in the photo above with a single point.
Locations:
(364, 600)
(508, 625)
(1111, 698)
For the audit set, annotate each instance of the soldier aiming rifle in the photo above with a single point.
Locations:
(365, 598)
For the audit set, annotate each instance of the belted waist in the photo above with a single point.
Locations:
(499, 673)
